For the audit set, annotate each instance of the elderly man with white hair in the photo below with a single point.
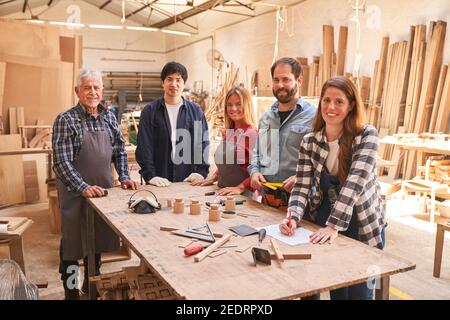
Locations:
(86, 140)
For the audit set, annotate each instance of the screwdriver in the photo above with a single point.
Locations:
(189, 251)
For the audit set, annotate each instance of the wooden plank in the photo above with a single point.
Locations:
(21, 123)
(328, 50)
(370, 113)
(277, 250)
(444, 108)
(365, 89)
(2, 83)
(433, 61)
(381, 150)
(293, 256)
(11, 171)
(396, 156)
(437, 99)
(48, 91)
(39, 122)
(31, 181)
(342, 51)
(41, 161)
(305, 82)
(379, 81)
(67, 49)
(13, 129)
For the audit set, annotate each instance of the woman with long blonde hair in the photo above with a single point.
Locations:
(336, 185)
(232, 156)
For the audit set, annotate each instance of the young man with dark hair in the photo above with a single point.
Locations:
(172, 143)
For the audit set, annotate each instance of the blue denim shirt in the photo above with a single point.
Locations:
(276, 153)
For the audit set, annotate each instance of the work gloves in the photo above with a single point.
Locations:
(159, 182)
(194, 176)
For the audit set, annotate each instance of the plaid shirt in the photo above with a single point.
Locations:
(68, 137)
(360, 191)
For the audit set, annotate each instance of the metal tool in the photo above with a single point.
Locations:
(194, 233)
(261, 234)
(261, 255)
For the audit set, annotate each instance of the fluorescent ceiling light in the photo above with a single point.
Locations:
(142, 28)
(67, 24)
(176, 32)
(104, 26)
(36, 21)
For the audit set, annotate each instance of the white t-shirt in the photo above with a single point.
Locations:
(332, 162)
(172, 111)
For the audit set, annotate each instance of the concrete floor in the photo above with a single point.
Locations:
(408, 237)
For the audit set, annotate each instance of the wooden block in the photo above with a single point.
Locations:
(276, 249)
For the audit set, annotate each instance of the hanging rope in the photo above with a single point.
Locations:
(359, 5)
(123, 12)
(275, 50)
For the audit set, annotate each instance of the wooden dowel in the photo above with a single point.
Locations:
(202, 255)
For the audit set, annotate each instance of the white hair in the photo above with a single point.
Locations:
(88, 73)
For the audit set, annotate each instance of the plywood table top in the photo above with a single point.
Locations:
(233, 275)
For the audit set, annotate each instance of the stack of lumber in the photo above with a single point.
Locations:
(436, 169)
(411, 91)
(132, 283)
(215, 112)
(328, 64)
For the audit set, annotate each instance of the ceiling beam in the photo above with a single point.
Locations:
(140, 9)
(25, 3)
(189, 13)
(245, 5)
(168, 15)
(231, 12)
(105, 4)
(5, 2)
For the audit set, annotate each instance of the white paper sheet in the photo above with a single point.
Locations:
(300, 236)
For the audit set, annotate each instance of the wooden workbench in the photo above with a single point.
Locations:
(233, 276)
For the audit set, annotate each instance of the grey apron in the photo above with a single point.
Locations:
(230, 172)
(94, 165)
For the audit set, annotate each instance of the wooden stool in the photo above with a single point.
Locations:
(440, 232)
(13, 239)
(54, 211)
